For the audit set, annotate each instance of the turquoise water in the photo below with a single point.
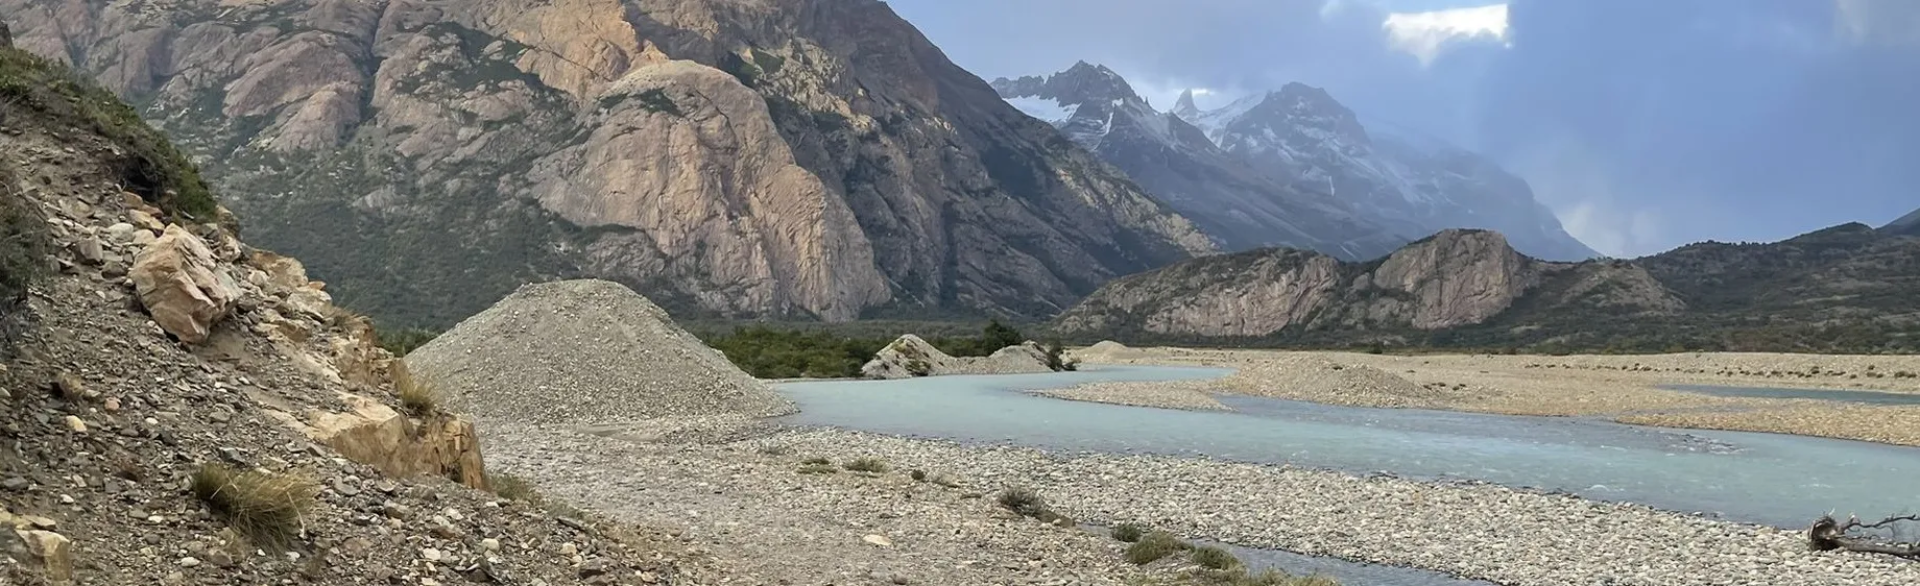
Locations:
(1865, 397)
(1779, 480)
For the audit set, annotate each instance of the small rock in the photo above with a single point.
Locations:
(345, 488)
(490, 544)
(430, 554)
(112, 405)
(569, 549)
(219, 557)
(396, 510)
(189, 561)
(121, 233)
(75, 424)
(593, 567)
(880, 540)
(90, 250)
(15, 483)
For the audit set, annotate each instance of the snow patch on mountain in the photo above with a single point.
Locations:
(1047, 110)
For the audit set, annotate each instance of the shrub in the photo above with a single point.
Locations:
(817, 462)
(263, 506)
(510, 487)
(1154, 546)
(1127, 532)
(1023, 501)
(776, 450)
(917, 475)
(416, 396)
(1214, 558)
(869, 465)
(403, 341)
(818, 469)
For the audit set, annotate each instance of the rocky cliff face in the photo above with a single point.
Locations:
(1241, 205)
(1455, 278)
(1842, 289)
(733, 157)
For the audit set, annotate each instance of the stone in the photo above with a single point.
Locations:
(145, 221)
(879, 540)
(490, 544)
(47, 553)
(374, 434)
(430, 554)
(181, 285)
(76, 425)
(121, 233)
(90, 250)
(111, 405)
(15, 483)
(593, 567)
(70, 386)
(189, 561)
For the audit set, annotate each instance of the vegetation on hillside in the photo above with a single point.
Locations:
(150, 167)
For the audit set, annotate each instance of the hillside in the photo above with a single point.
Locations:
(727, 158)
(182, 408)
(1908, 225)
(1844, 288)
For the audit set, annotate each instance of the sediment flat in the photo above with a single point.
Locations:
(1623, 388)
(1183, 395)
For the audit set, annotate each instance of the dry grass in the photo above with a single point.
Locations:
(811, 468)
(1242, 577)
(1127, 533)
(1153, 547)
(1214, 558)
(510, 487)
(265, 507)
(417, 396)
(868, 465)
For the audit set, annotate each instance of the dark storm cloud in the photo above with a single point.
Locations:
(1644, 123)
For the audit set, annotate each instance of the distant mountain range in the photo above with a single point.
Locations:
(1292, 168)
(1846, 288)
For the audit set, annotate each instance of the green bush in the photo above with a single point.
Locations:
(152, 167)
(1127, 532)
(1214, 558)
(1153, 547)
(403, 341)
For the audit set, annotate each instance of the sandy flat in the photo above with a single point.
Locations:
(1625, 388)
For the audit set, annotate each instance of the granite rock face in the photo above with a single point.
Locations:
(817, 158)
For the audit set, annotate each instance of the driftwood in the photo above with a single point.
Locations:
(1828, 534)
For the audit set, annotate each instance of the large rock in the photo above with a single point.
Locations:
(907, 357)
(374, 434)
(181, 284)
(44, 554)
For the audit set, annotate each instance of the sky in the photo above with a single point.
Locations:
(1644, 124)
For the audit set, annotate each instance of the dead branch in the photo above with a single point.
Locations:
(1828, 534)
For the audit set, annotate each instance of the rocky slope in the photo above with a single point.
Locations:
(149, 350)
(1907, 225)
(1843, 288)
(1395, 178)
(730, 157)
(1241, 205)
(1455, 278)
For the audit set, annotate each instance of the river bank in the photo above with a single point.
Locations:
(1622, 388)
(747, 498)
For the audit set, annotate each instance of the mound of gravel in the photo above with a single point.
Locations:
(1105, 351)
(581, 352)
(910, 356)
(1320, 380)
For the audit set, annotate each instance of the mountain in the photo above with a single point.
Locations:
(1844, 288)
(1908, 225)
(807, 158)
(1405, 181)
(1238, 204)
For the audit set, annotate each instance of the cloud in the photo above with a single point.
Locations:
(1425, 34)
(1647, 123)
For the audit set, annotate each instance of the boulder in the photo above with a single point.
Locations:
(1028, 357)
(907, 357)
(374, 434)
(47, 555)
(283, 273)
(179, 282)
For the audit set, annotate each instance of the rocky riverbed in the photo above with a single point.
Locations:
(748, 497)
(1185, 395)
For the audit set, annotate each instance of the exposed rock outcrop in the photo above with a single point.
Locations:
(1455, 278)
(910, 356)
(817, 158)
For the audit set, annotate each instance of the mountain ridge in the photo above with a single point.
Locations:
(1845, 288)
(732, 159)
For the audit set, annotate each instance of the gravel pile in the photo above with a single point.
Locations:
(1479, 531)
(585, 351)
(910, 356)
(1314, 379)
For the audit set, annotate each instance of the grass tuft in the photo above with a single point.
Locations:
(1153, 547)
(817, 461)
(510, 487)
(868, 465)
(265, 507)
(417, 396)
(917, 475)
(1214, 558)
(1239, 576)
(1024, 501)
(811, 468)
(776, 450)
(1127, 532)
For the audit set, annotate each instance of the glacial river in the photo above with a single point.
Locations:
(1780, 480)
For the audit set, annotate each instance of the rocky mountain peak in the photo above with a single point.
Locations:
(1308, 113)
(1184, 107)
(1908, 225)
(1082, 84)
